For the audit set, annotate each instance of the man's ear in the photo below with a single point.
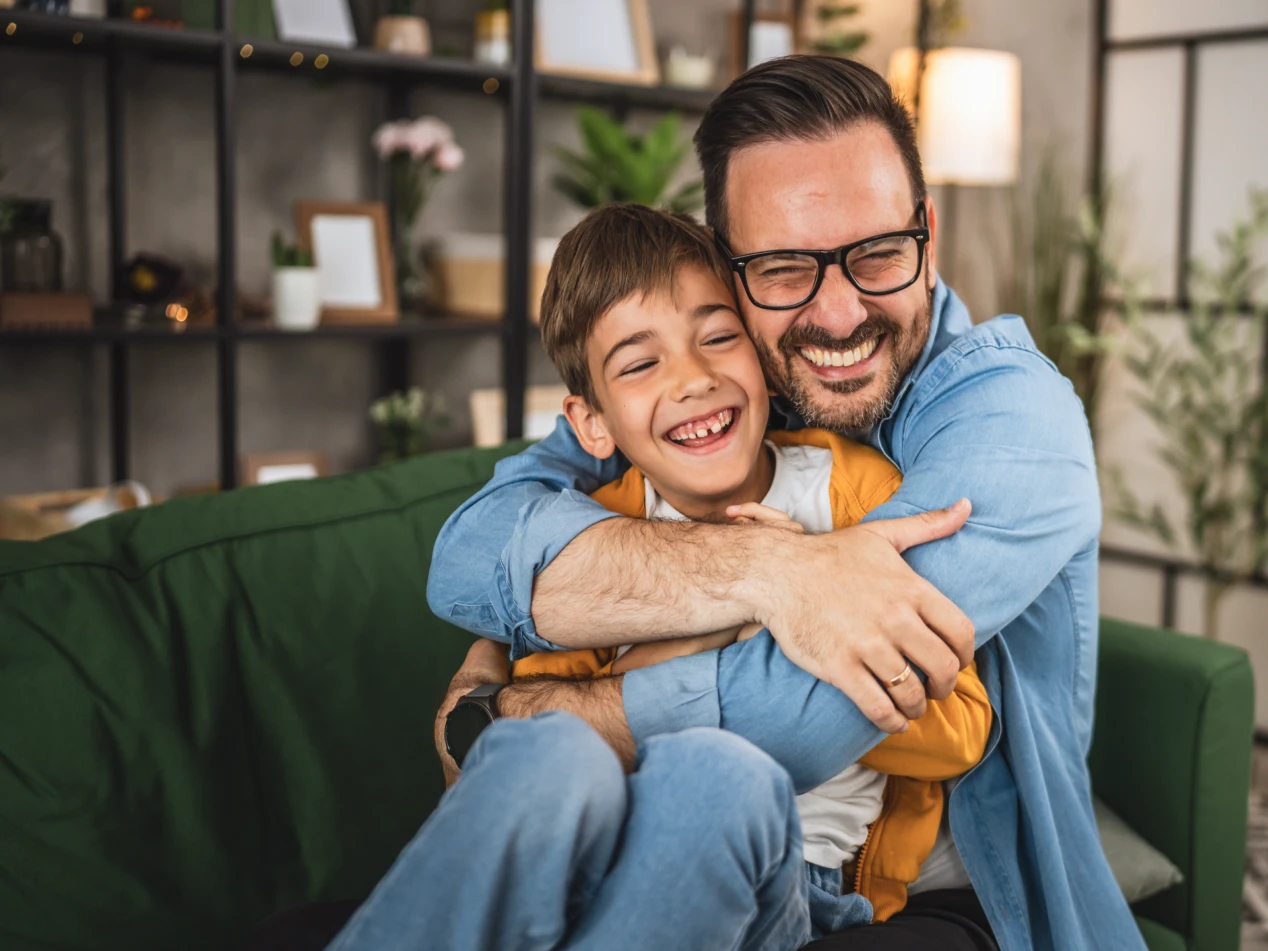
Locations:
(588, 425)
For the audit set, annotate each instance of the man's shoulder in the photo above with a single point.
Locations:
(1003, 344)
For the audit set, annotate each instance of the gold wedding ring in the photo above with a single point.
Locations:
(895, 681)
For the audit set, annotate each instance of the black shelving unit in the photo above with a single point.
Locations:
(229, 54)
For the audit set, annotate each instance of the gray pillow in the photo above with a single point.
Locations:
(1139, 868)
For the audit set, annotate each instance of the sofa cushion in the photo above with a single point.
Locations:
(1159, 938)
(1139, 868)
(220, 707)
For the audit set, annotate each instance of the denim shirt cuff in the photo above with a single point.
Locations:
(544, 530)
(672, 696)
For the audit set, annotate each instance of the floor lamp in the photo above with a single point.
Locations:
(969, 127)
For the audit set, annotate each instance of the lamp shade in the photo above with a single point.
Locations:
(970, 113)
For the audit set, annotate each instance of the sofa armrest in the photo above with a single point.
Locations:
(1171, 755)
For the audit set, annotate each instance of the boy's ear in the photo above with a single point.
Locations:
(588, 425)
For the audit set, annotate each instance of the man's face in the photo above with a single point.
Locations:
(819, 195)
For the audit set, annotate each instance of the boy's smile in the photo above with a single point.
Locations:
(681, 394)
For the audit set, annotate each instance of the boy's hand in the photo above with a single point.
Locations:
(653, 652)
(764, 514)
(487, 663)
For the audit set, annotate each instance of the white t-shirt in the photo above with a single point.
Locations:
(835, 817)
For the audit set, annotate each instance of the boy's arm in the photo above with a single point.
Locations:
(947, 741)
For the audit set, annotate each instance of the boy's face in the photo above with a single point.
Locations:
(667, 368)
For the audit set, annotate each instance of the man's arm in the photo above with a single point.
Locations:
(566, 574)
(1013, 435)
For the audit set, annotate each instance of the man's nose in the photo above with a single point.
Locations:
(693, 377)
(838, 307)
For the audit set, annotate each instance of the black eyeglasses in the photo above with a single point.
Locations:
(883, 264)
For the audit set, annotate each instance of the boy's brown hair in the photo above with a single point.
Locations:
(616, 251)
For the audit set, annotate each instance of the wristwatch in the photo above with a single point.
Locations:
(469, 718)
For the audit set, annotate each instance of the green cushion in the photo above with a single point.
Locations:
(1140, 870)
(220, 707)
(1171, 755)
(1158, 938)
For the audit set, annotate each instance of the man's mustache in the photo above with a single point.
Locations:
(812, 335)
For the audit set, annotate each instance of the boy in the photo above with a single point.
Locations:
(641, 321)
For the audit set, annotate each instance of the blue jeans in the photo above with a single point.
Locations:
(544, 843)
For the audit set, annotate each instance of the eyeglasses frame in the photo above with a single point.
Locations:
(835, 256)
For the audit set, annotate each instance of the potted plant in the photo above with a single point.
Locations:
(403, 423)
(418, 151)
(620, 165)
(402, 30)
(296, 300)
(1209, 400)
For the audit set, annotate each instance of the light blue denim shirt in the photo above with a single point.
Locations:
(982, 415)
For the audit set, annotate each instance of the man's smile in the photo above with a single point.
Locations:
(844, 364)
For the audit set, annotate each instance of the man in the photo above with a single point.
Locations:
(812, 154)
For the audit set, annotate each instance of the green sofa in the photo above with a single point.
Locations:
(221, 707)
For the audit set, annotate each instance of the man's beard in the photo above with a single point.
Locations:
(812, 397)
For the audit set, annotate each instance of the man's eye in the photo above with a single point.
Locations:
(637, 368)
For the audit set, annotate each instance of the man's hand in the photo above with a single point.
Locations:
(845, 607)
(486, 663)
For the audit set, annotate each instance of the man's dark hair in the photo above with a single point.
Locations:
(616, 251)
(797, 98)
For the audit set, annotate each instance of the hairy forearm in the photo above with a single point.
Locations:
(598, 702)
(630, 581)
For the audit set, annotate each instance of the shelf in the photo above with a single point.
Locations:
(25, 29)
(105, 331)
(625, 96)
(406, 328)
(86, 34)
(370, 63)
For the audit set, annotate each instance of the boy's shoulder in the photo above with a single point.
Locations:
(861, 479)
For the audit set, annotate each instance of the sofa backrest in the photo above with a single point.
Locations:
(220, 706)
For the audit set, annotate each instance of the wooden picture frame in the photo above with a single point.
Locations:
(582, 38)
(352, 302)
(286, 466)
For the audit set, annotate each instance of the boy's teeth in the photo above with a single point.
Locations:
(714, 424)
(840, 358)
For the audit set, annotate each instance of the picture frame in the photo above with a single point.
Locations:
(542, 404)
(265, 468)
(605, 40)
(315, 22)
(352, 251)
(771, 36)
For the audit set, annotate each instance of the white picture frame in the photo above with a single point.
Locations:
(605, 40)
(315, 22)
(353, 255)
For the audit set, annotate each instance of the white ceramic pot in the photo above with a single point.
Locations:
(296, 301)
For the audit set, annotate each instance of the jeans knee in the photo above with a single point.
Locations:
(737, 786)
(563, 772)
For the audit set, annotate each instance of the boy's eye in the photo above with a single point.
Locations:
(721, 338)
(637, 367)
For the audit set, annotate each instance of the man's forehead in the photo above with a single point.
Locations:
(817, 193)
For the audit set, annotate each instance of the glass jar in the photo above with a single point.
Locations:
(31, 251)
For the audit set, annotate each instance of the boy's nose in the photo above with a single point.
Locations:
(694, 378)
